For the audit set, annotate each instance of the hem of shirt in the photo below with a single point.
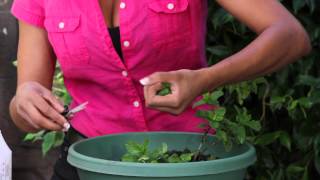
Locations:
(27, 16)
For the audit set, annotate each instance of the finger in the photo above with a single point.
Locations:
(41, 120)
(172, 111)
(47, 110)
(148, 92)
(154, 78)
(163, 101)
(48, 96)
(25, 116)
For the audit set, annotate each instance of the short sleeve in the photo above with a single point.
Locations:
(29, 11)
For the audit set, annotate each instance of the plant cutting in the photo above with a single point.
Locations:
(51, 139)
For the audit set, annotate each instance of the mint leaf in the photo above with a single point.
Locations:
(186, 157)
(174, 158)
(48, 142)
(166, 89)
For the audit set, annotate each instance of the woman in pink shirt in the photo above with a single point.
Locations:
(116, 53)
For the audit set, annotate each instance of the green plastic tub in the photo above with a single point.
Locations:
(98, 159)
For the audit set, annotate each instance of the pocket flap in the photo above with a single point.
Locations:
(169, 6)
(61, 24)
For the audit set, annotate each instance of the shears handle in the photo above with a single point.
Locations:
(65, 111)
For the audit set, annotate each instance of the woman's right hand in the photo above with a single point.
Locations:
(39, 108)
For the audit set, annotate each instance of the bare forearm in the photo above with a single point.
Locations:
(275, 47)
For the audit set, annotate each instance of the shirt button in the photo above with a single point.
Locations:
(170, 6)
(136, 104)
(122, 5)
(61, 25)
(126, 43)
(124, 73)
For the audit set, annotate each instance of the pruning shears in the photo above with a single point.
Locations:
(67, 113)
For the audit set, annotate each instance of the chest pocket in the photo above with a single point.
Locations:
(66, 38)
(170, 22)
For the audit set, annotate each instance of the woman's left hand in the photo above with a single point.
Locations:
(186, 85)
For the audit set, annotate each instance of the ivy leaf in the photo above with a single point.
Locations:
(267, 138)
(293, 169)
(285, 140)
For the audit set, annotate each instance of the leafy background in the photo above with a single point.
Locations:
(286, 103)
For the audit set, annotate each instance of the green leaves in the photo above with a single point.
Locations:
(269, 138)
(141, 153)
(221, 17)
(137, 152)
(217, 115)
(34, 136)
(209, 98)
(231, 130)
(49, 140)
(175, 158)
(166, 89)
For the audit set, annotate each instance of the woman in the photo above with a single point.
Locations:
(115, 55)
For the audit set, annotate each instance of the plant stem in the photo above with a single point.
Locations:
(203, 141)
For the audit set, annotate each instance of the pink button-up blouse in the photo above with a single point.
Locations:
(156, 35)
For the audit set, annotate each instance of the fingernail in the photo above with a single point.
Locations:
(144, 81)
(66, 126)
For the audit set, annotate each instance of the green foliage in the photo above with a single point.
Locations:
(286, 103)
(166, 89)
(231, 128)
(141, 153)
(49, 139)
